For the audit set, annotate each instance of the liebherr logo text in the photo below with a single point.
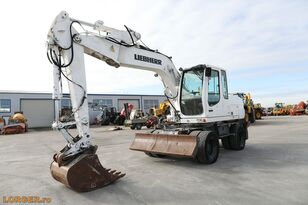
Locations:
(147, 59)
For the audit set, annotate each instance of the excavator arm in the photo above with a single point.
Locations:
(66, 49)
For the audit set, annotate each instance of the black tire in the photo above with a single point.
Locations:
(138, 126)
(238, 140)
(226, 142)
(208, 147)
(132, 127)
(258, 115)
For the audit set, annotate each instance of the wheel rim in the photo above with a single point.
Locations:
(258, 115)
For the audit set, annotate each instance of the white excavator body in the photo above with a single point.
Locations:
(202, 109)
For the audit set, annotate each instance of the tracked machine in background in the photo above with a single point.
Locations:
(202, 112)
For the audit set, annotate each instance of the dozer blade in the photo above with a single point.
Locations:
(84, 173)
(178, 145)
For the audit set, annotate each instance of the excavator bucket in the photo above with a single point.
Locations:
(166, 144)
(84, 173)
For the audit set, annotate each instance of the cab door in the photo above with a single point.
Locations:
(213, 94)
(217, 95)
(225, 101)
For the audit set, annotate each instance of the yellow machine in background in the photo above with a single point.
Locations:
(280, 109)
(258, 111)
(249, 108)
(158, 114)
(17, 124)
(18, 118)
(287, 109)
(162, 110)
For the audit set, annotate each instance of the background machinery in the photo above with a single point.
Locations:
(202, 111)
(258, 110)
(124, 114)
(288, 109)
(249, 107)
(136, 119)
(16, 124)
(279, 109)
(157, 115)
(269, 111)
(66, 115)
(163, 110)
(107, 116)
(298, 109)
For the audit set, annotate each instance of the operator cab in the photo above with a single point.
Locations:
(202, 91)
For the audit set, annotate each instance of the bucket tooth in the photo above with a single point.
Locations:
(84, 173)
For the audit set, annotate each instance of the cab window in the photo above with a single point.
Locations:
(213, 88)
(191, 92)
(224, 84)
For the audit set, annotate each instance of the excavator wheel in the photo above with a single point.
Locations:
(208, 147)
(84, 173)
(238, 140)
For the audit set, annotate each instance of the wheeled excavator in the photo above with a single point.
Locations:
(202, 111)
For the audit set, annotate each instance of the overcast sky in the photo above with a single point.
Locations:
(263, 45)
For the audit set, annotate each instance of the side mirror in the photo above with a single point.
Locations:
(208, 71)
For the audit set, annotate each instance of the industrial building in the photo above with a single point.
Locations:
(40, 111)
